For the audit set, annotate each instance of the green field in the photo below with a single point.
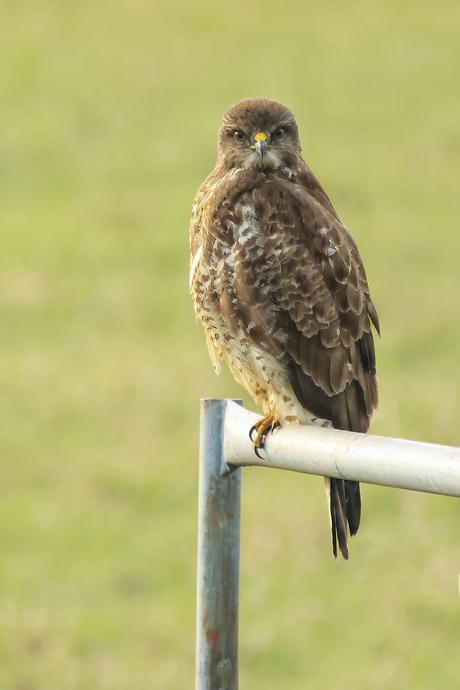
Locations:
(108, 121)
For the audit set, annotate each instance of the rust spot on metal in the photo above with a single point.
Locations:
(212, 638)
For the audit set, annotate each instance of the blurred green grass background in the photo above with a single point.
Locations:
(108, 121)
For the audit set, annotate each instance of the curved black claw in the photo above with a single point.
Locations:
(252, 430)
(256, 451)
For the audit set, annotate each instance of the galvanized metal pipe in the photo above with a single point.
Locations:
(218, 556)
(343, 454)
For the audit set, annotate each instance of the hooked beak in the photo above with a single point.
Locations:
(261, 144)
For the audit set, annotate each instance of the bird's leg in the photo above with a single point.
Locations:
(261, 428)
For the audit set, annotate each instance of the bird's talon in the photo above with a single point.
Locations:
(262, 427)
(256, 451)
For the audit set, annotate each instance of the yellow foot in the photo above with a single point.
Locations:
(261, 428)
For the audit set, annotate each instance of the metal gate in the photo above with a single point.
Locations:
(225, 447)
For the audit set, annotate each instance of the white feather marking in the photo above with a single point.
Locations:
(196, 259)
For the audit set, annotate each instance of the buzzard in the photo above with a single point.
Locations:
(281, 291)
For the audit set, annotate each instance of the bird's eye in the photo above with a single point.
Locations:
(239, 134)
(279, 133)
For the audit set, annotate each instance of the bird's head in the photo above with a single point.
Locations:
(258, 133)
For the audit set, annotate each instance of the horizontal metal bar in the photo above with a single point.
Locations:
(343, 454)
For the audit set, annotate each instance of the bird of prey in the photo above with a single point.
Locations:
(280, 288)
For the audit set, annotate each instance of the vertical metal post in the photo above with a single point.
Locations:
(218, 557)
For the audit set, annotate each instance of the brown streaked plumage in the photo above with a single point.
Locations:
(280, 288)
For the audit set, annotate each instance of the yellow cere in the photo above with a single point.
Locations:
(261, 135)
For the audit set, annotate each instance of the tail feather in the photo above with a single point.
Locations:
(345, 507)
(353, 505)
(351, 410)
